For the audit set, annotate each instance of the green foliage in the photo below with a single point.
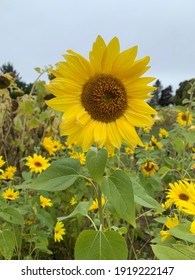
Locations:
(111, 195)
(167, 253)
(96, 162)
(98, 245)
(59, 176)
(7, 243)
(118, 189)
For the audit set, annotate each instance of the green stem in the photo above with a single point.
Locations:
(100, 208)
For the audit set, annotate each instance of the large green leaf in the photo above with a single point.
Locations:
(142, 198)
(98, 245)
(59, 176)
(96, 162)
(167, 253)
(186, 250)
(182, 232)
(118, 189)
(12, 215)
(7, 243)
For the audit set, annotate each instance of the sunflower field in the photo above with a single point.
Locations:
(90, 171)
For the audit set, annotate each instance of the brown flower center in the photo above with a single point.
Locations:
(149, 166)
(184, 196)
(38, 164)
(104, 98)
(184, 117)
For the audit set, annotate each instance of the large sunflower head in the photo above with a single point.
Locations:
(102, 99)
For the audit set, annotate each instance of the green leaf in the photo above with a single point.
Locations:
(45, 218)
(59, 176)
(190, 137)
(12, 215)
(183, 232)
(178, 144)
(7, 244)
(81, 209)
(167, 253)
(142, 198)
(96, 162)
(186, 250)
(98, 245)
(118, 189)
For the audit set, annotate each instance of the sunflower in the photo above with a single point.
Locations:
(59, 231)
(37, 163)
(95, 205)
(179, 192)
(170, 223)
(52, 146)
(155, 143)
(80, 156)
(6, 80)
(8, 174)
(45, 201)
(163, 133)
(184, 118)
(102, 99)
(149, 168)
(10, 194)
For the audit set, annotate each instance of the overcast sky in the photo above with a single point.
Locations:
(35, 33)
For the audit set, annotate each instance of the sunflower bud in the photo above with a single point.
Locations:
(5, 80)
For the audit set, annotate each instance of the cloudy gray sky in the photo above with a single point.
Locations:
(36, 33)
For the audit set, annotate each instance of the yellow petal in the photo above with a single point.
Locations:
(110, 54)
(140, 107)
(113, 134)
(100, 134)
(137, 69)
(128, 133)
(96, 54)
(139, 120)
(124, 61)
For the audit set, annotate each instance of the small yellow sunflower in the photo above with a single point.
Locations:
(8, 174)
(170, 223)
(52, 145)
(73, 200)
(80, 156)
(129, 150)
(102, 99)
(155, 142)
(184, 118)
(10, 194)
(163, 133)
(59, 231)
(95, 205)
(149, 168)
(37, 163)
(45, 201)
(179, 192)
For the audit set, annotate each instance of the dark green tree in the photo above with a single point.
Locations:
(166, 96)
(182, 92)
(155, 94)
